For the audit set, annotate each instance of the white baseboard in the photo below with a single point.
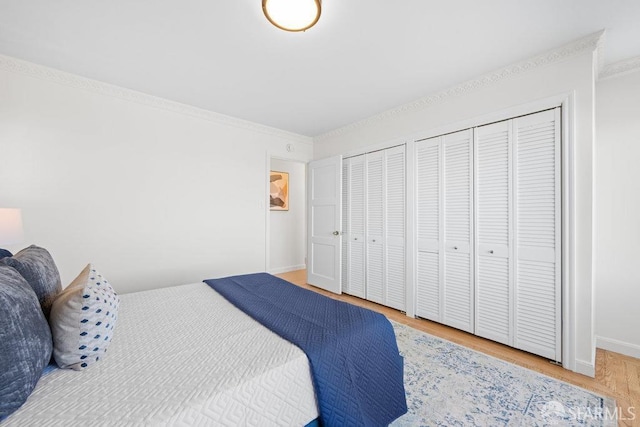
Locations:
(617, 346)
(585, 368)
(287, 269)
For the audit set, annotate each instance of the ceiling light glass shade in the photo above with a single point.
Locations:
(292, 15)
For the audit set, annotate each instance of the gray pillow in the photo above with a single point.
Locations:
(36, 265)
(25, 340)
(82, 320)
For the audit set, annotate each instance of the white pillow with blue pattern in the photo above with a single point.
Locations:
(82, 320)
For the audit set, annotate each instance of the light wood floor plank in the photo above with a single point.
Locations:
(617, 375)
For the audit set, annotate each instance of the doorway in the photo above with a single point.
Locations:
(286, 228)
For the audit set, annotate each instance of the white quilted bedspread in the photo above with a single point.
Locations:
(180, 356)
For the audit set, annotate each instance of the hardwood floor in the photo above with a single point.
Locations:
(617, 375)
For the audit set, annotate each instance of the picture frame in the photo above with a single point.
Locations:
(279, 191)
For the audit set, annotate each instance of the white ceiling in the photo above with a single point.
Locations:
(362, 58)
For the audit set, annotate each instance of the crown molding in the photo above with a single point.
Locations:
(620, 68)
(585, 44)
(31, 69)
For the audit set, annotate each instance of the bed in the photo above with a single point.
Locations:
(186, 355)
(215, 377)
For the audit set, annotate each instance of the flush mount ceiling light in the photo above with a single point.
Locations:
(292, 15)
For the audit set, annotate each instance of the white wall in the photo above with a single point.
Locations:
(499, 91)
(288, 232)
(617, 244)
(151, 196)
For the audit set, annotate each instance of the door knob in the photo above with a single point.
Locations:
(491, 251)
(336, 233)
(455, 248)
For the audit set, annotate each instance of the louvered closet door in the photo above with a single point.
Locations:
(394, 227)
(355, 225)
(345, 225)
(494, 281)
(428, 220)
(375, 191)
(458, 295)
(537, 212)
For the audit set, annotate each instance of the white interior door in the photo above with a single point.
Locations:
(346, 209)
(457, 251)
(538, 326)
(494, 222)
(394, 203)
(375, 227)
(324, 226)
(353, 221)
(429, 234)
(518, 283)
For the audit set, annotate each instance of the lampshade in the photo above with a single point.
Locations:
(292, 15)
(10, 226)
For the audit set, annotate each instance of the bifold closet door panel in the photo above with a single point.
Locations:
(394, 227)
(429, 282)
(354, 226)
(458, 293)
(374, 227)
(345, 226)
(375, 191)
(538, 233)
(493, 195)
(444, 285)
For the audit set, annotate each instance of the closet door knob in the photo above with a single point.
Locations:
(355, 238)
(336, 233)
(455, 248)
(491, 251)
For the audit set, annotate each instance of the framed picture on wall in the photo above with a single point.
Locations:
(279, 191)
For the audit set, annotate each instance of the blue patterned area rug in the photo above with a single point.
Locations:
(450, 385)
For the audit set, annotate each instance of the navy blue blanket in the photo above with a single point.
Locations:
(357, 370)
